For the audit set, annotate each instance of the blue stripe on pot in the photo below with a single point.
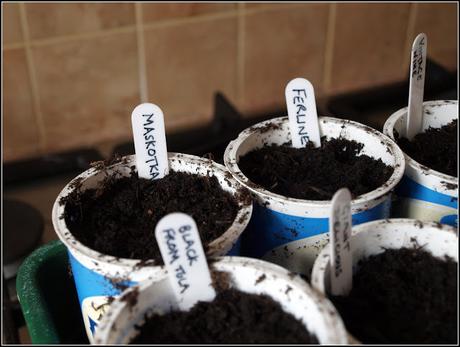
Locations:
(269, 229)
(90, 283)
(410, 189)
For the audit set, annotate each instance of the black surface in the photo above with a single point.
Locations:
(79, 160)
(374, 105)
(22, 230)
(10, 332)
(211, 139)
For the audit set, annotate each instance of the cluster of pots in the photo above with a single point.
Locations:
(413, 192)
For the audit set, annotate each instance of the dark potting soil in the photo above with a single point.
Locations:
(119, 218)
(233, 317)
(315, 173)
(435, 148)
(402, 296)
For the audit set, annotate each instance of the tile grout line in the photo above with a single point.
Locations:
(122, 30)
(409, 35)
(77, 37)
(12, 46)
(280, 6)
(143, 84)
(241, 45)
(132, 28)
(33, 78)
(191, 20)
(329, 48)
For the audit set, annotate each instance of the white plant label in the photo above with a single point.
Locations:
(185, 260)
(150, 141)
(303, 118)
(340, 233)
(416, 86)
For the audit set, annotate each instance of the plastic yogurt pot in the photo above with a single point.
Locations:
(424, 193)
(98, 277)
(293, 294)
(291, 232)
(374, 237)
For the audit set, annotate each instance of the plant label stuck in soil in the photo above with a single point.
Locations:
(180, 246)
(340, 234)
(416, 86)
(150, 141)
(303, 118)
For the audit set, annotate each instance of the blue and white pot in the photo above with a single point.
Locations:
(423, 193)
(291, 232)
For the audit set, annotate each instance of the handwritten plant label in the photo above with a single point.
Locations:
(303, 118)
(184, 258)
(150, 141)
(340, 233)
(416, 86)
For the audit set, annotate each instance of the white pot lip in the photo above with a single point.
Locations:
(330, 314)
(388, 131)
(386, 188)
(322, 261)
(77, 248)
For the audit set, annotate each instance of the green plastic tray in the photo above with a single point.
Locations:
(48, 297)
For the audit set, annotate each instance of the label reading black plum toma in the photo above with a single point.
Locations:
(150, 141)
(182, 252)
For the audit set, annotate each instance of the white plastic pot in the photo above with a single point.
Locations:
(247, 275)
(99, 276)
(424, 193)
(291, 232)
(374, 237)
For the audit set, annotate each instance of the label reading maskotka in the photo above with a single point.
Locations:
(182, 252)
(303, 118)
(150, 141)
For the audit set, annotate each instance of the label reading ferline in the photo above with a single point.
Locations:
(303, 118)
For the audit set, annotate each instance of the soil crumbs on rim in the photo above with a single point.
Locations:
(435, 148)
(232, 317)
(119, 217)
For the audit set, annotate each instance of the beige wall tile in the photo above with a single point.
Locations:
(159, 12)
(12, 32)
(369, 44)
(439, 22)
(186, 64)
(88, 89)
(56, 19)
(270, 5)
(281, 45)
(21, 138)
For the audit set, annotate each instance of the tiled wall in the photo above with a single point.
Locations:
(73, 72)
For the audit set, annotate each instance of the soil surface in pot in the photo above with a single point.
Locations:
(315, 173)
(402, 296)
(232, 317)
(435, 148)
(119, 217)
